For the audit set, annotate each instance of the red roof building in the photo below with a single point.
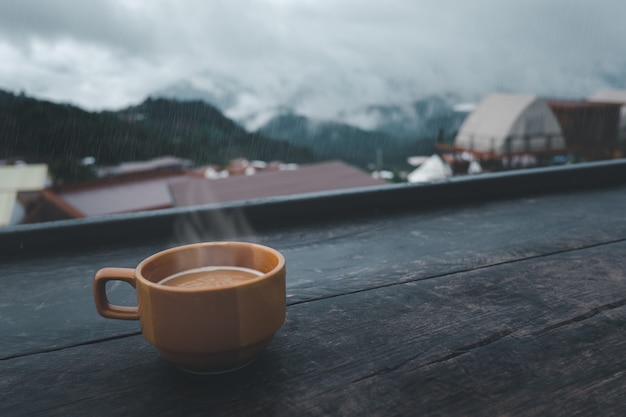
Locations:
(326, 176)
(158, 190)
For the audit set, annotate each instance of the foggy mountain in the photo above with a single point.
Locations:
(236, 101)
(62, 134)
(355, 135)
(332, 140)
(421, 118)
(222, 94)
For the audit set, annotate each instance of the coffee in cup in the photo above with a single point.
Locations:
(207, 307)
(210, 276)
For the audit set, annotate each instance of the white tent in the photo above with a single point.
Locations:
(614, 96)
(434, 168)
(504, 123)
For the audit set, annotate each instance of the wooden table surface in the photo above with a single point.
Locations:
(510, 307)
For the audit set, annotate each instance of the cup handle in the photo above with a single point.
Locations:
(104, 307)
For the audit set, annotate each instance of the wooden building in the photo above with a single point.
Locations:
(506, 131)
(159, 189)
(590, 129)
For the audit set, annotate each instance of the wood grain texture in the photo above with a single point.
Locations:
(323, 260)
(543, 336)
(295, 211)
(508, 307)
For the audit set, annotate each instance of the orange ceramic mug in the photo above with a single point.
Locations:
(213, 326)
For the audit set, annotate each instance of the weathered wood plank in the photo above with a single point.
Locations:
(295, 211)
(47, 303)
(543, 336)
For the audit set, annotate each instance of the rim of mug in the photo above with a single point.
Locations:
(146, 261)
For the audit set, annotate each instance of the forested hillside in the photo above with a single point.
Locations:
(42, 131)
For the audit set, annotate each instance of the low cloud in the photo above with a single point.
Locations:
(317, 56)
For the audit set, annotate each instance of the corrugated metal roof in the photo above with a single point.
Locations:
(306, 179)
(91, 199)
(121, 197)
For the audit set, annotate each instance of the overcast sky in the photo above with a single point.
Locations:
(318, 55)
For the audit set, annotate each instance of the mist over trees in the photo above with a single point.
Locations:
(62, 135)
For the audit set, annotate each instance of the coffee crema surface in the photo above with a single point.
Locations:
(210, 276)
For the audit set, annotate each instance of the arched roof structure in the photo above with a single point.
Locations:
(511, 123)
